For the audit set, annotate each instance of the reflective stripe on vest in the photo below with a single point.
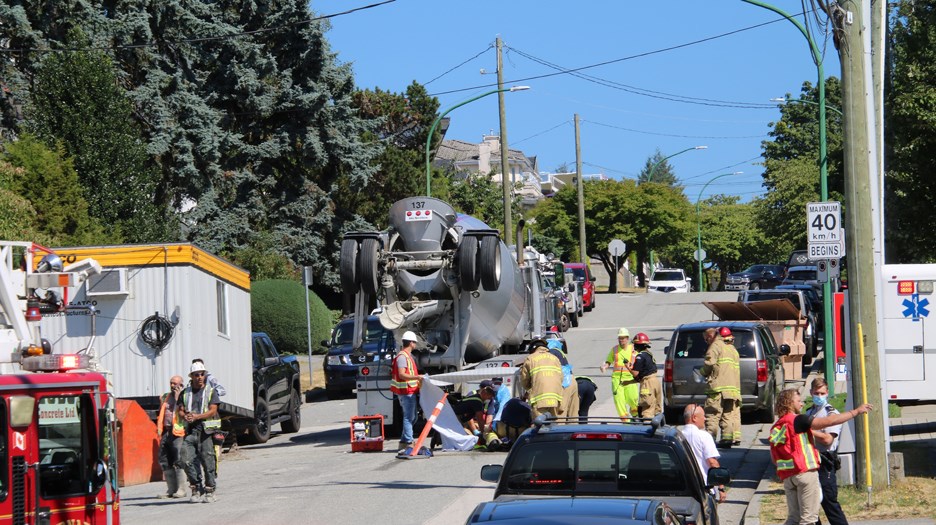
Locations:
(399, 386)
(619, 368)
(209, 424)
(545, 396)
(178, 426)
(793, 453)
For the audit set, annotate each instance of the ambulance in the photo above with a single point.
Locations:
(909, 337)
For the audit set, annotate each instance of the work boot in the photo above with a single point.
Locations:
(180, 482)
(724, 444)
(210, 495)
(172, 484)
(196, 494)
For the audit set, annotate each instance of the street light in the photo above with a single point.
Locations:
(823, 182)
(699, 220)
(786, 100)
(447, 111)
(654, 167)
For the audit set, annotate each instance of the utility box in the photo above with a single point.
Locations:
(367, 433)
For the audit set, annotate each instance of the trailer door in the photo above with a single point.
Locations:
(905, 313)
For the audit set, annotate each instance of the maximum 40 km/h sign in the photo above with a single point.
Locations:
(824, 230)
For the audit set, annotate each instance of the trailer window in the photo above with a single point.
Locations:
(222, 308)
(66, 433)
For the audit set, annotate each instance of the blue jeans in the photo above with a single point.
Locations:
(408, 403)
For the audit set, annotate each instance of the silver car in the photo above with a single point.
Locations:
(762, 374)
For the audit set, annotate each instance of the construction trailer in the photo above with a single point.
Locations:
(151, 311)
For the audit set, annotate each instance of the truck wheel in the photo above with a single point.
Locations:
(367, 266)
(292, 424)
(754, 286)
(348, 266)
(490, 262)
(259, 432)
(467, 256)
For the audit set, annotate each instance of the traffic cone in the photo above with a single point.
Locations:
(414, 451)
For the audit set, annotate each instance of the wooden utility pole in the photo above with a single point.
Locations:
(859, 176)
(581, 192)
(506, 179)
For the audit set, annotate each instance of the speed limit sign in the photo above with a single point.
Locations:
(824, 222)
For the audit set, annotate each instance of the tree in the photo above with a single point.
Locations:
(277, 307)
(781, 213)
(663, 224)
(77, 104)
(730, 237)
(662, 174)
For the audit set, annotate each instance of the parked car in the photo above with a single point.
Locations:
(762, 375)
(341, 367)
(809, 309)
(668, 280)
(582, 273)
(607, 458)
(798, 258)
(806, 274)
(566, 510)
(572, 297)
(755, 277)
(277, 394)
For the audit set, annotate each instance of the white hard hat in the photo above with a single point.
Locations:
(197, 366)
(623, 332)
(409, 336)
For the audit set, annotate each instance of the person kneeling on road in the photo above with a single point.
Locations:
(471, 410)
(198, 406)
(515, 418)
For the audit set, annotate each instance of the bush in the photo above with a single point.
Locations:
(277, 307)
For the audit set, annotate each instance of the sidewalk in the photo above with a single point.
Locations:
(917, 423)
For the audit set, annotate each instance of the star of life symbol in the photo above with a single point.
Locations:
(916, 307)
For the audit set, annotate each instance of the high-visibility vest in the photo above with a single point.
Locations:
(793, 453)
(206, 394)
(178, 425)
(622, 357)
(397, 385)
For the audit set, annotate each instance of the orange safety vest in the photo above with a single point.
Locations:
(793, 453)
(399, 386)
(178, 427)
(618, 366)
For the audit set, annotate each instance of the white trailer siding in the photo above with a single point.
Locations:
(182, 283)
(909, 350)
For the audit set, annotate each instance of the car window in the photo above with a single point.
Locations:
(668, 276)
(691, 345)
(344, 332)
(767, 343)
(599, 467)
(754, 297)
(803, 275)
(579, 273)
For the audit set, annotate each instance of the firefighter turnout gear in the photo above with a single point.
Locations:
(624, 387)
(541, 376)
(650, 402)
(722, 370)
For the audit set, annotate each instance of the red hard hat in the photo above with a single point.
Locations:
(641, 339)
(724, 331)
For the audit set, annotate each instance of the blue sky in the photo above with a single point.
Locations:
(652, 48)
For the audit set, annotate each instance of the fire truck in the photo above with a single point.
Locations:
(58, 460)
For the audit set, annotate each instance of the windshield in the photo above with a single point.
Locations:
(668, 276)
(579, 273)
(803, 275)
(595, 467)
(344, 332)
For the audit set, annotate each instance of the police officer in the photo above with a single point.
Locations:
(827, 440)
(722, 370)
(645, 372)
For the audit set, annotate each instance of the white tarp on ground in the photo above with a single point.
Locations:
(446, 424)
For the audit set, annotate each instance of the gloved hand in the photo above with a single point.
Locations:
(476, 432)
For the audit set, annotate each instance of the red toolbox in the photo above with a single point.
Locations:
(367, 434)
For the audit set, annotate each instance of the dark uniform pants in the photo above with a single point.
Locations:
(830, 504)
(586, 391)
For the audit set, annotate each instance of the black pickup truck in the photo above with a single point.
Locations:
(277, 394)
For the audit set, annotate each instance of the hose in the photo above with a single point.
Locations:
(156, 331)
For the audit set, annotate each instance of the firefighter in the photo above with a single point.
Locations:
(645, 372)
(541, 376)
(198, 406)
(171, 429)
(624, 387)
(570, 394)
(722, 370)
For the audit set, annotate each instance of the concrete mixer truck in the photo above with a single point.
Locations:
(449, 278)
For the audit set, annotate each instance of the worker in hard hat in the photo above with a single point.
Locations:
(624, 387)
(405, 382)
(650, 402)
(722, 370)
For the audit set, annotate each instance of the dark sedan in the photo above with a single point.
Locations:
(755, 277)
(577, 510)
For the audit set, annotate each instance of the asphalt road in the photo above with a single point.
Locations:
(312, 476)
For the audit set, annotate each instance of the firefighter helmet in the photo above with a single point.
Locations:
(641, 339)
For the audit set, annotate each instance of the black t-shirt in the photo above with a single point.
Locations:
(559, 355)
(467, 408)
(802, 423)
(644, 365)
(517, 413)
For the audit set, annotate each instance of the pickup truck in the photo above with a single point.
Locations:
(277, 392)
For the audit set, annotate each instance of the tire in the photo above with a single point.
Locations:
(754, 286)
(291, 425)
(467, 259)
(764, 415)
(367, 266)
(564, 323)
(347, 267)
(259, 432)
(574, 319)
(490, 263)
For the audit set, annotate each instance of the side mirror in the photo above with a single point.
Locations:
(325, 343)
(491, 473)
(271, 361)
(784, 349)
(718, 476)
(593, 279)
(99, 476)
(688, 279)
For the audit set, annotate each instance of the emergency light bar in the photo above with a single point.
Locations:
(905, 287)
(55, 362)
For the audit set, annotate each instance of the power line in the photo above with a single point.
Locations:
(459, 65)
(622, 59)
(724, 168)
(564, 122)
(612, 170)
(194, 39)
(643, 132)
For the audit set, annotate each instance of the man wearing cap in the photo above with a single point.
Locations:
(405, 382)
(624, 387)
(541, 376)
(722, 370)
(198, 407)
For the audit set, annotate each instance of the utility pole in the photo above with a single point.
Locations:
(859, 221)
(506, 179)
(581, 192)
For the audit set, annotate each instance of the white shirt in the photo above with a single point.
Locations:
(703, 446)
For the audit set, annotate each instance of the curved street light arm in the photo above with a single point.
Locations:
(699, 219)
